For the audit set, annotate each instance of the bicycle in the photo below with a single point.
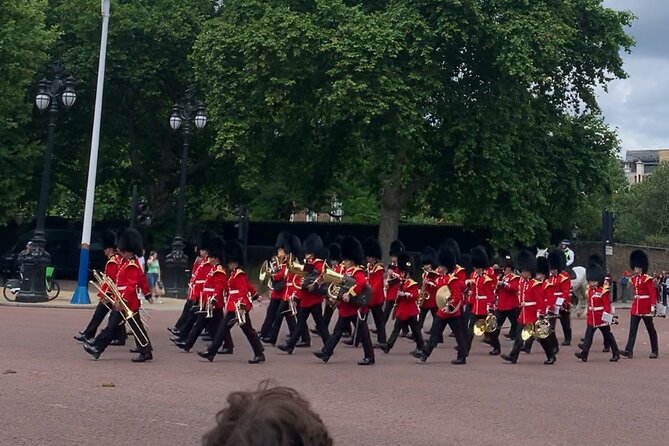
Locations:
(13, 286)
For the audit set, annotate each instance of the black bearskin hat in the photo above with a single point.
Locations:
(543, 267)
(296, 247)
(527, 262)
(215, 248)
(556, 259)
(131, 241)
(323, 253)
(335, 252)
(405, 262)
(372, 248)
(283, 240)
(506, 259)
(451, 243)
(396, 248)
(447, 258)
(109, 240)
(428, 256)
(595, 273)
(466, 262)
(205, 236)
(351, 249)
(234, 252)
(479, 257)
(312, 244)
(639, 259)
(596, 258)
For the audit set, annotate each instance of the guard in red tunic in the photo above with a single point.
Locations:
(561, 280)
(238, 305)
(644, 305)
(599, 310)
(428, 260)
(131, 278)
(507, 296)
(549, 299)
(192, 299)
(375, 274)
(310, 294)
(481, 296)
(352, 308)
(111, 270)
(290, 293)
(451, 314)
(406, 314)
(214, 293)
(532, 307)
(334, 260)
(392, 284)
(277, 282)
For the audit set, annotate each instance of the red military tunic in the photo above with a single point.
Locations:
(490, 272)
(406, 306)
(429, 281)
(279, 276)
(599, 301)
(645, 295)
(531, 299)
(393, 282)
(562, 284)
(456, 286)
(549, 296)
(507, 293)
(130, 279)
(307, 298)
(482, 294)
(347, 309)
(215, 286)
(112, 268)
(198, 280)
(238, 290)
(375, 277)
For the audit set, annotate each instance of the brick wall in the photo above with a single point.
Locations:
(658, 258)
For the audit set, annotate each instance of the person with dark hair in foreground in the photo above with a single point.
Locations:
(268, 416)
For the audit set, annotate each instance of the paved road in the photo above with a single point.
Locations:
(56, 397)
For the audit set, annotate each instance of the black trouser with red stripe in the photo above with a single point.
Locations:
(223, 333)
(301, 326)
(457, 326)
(98, 316)
(270, 317)
(652, 333)
(411, 323)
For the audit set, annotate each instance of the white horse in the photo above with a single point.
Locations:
(579, 285)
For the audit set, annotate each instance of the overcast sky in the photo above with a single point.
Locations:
(639, 105)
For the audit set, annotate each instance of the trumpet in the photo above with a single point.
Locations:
(121, 306)
(240, 313)
(423, 294)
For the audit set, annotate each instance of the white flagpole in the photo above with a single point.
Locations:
(81, 294)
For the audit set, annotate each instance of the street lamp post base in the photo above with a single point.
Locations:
(33, 283)
(176, 264)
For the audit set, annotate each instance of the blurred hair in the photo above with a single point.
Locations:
(276, 416)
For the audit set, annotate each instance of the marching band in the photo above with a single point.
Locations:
(308, 279)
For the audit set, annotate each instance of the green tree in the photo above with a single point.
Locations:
(483, 110)
(641, 213)
(147, 72)
(25, 40)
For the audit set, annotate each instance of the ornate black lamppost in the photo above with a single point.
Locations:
(35, 259)
(183, 115)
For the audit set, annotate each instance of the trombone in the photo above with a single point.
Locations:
(121, 306)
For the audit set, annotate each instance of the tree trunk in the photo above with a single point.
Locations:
(389, 219)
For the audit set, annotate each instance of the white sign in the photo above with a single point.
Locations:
(608, 250)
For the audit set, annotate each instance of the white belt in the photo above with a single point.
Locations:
(527, 304)
(481, 297)
(122, 288)
(642, 296)
(558, 293)
(209, 290)
(200, 281)
(233, 292)
(597, 308)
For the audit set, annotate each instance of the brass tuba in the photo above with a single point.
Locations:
(334, 281)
